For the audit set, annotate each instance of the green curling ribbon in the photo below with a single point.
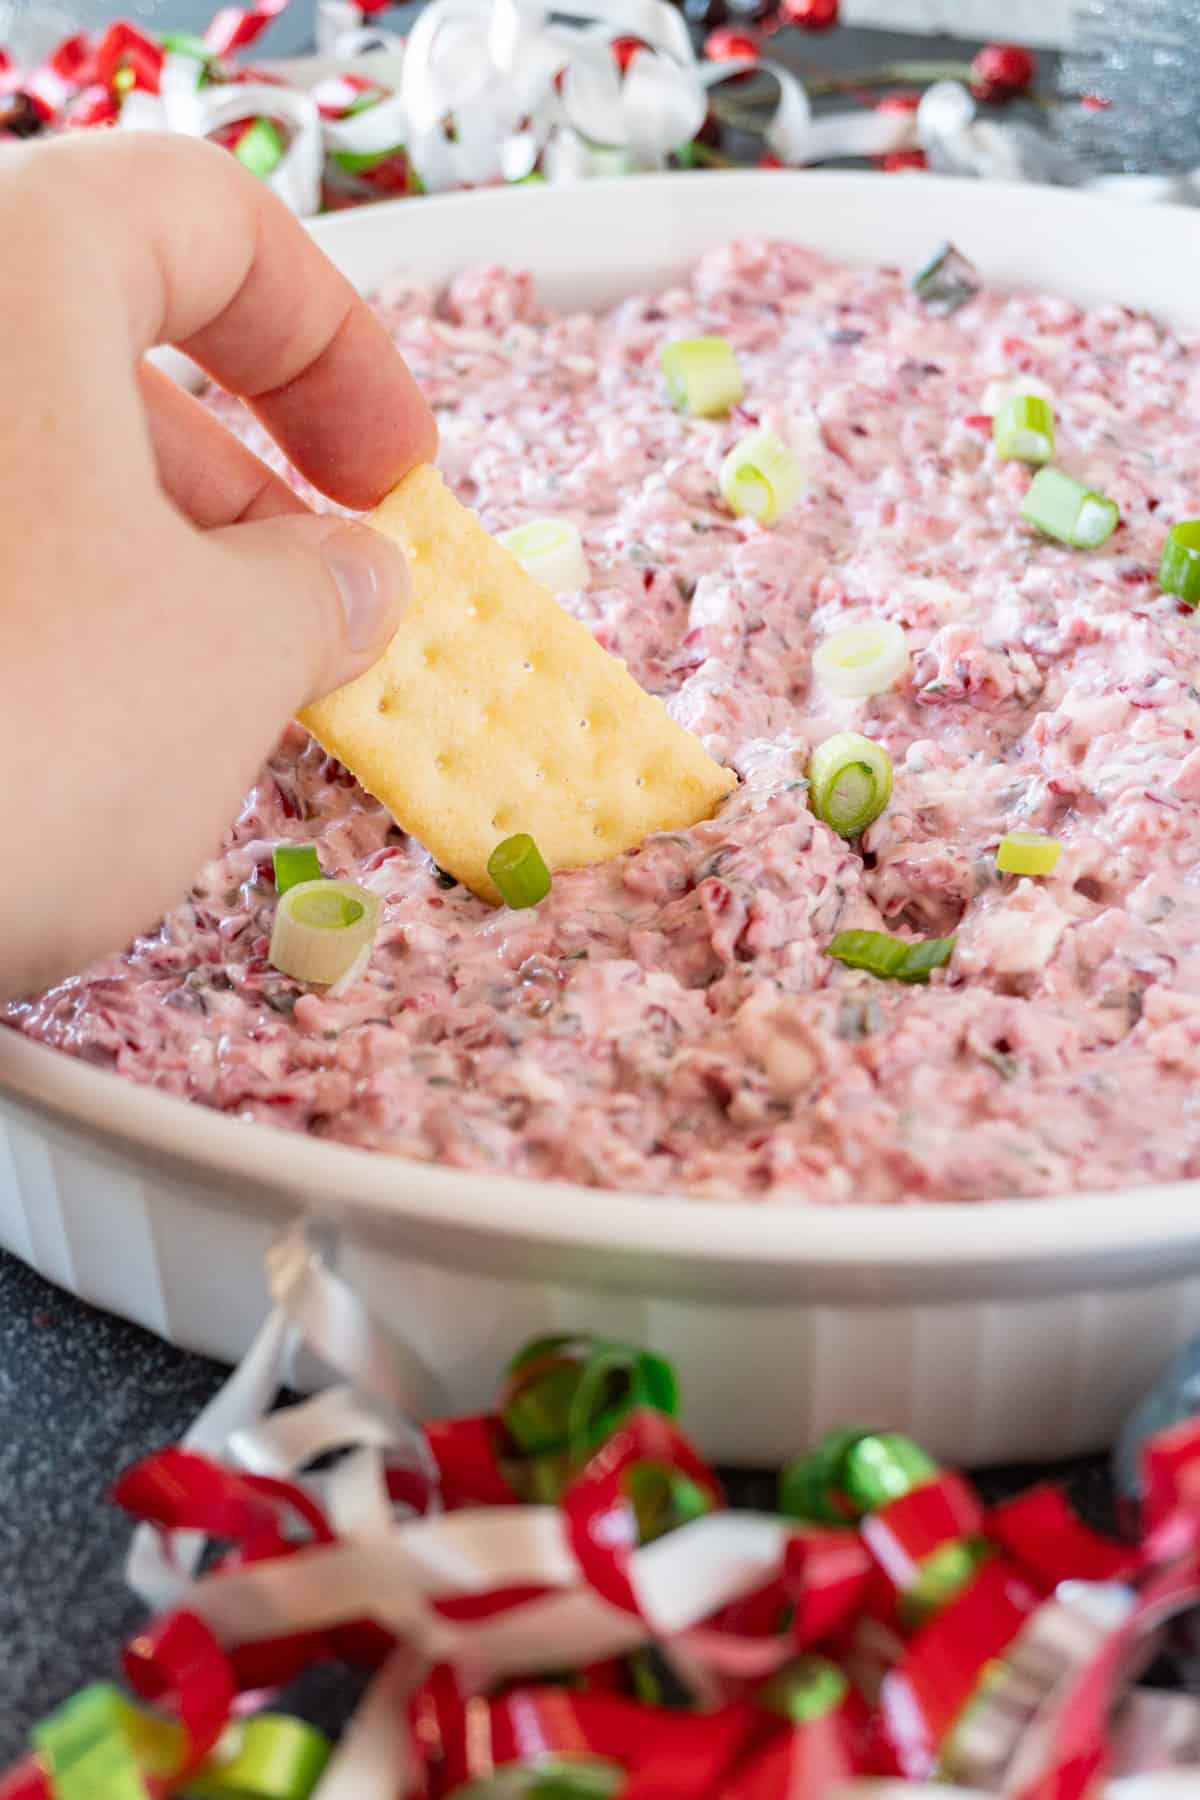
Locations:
(664, 1499)
(269, 1757)
(804, 1690)
(943, 1574)
(884, 1467)
(551, 1778)
(260, 148)
(99, 1747)
(852, 1472)
(810, 1487)
(570, 1393)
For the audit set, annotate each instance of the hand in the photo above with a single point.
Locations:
(167, 602)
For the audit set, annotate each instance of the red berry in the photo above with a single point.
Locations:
(810, 15)
(727, 42)
(1002, 70)
(904, 159)
(624, 50)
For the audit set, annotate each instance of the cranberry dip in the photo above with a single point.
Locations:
(671, 1021)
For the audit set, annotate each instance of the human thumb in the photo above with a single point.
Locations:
(317, 597)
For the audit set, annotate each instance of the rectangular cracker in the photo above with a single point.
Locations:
(494, 711)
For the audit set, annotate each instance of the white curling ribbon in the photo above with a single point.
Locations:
(392, 1577)
(198, 112)
(343, 1332)
(316, 1308)
(159, 1576)
(381, 127)
(489, 68)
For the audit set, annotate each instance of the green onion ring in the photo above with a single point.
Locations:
(849, 782)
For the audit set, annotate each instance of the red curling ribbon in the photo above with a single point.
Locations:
(1041, 1533)
(235, 27)
(26, 1782)
(464, 1608)
(825, 1577)
(601, 1522)
(903, 1533)
(805, 1761)
(74, 61)
(467, 1454)
(95, 106)
(1077, 1749)
(940, 1669)
(179, 1490)
(822, 1587)
(1171, 1473)
(124, 47)
(179, 1663)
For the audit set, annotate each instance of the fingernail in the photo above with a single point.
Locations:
(372, 579)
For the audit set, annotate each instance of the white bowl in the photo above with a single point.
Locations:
(991, 1331)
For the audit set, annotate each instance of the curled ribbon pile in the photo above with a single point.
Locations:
(482, 92)
(556, 1603)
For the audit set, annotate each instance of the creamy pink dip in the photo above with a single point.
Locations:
(670, 1021)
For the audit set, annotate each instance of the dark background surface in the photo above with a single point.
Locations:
(83, 1394)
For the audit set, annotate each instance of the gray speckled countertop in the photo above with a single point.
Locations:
(81, 1396)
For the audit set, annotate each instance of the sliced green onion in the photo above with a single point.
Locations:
(761, 477)
(1064, 509)
(551, 550)
(849, 782)
(322, 930)
(260, 147)
(923, 958)
(1179, 570)
(295, 863)
(702, 375)
(947, 281)
(517, 868)
(997, 394)
(1023, 430)
(891, 958)
(863, 659)
(1027, 853)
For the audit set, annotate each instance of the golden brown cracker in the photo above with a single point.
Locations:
(493, 711)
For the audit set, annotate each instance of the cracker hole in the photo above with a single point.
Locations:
(583, 724)
(528, 667)
(442, 761)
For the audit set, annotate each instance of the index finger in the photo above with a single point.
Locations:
(207, 258)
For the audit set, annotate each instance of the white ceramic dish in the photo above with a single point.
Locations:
(991, 1332)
